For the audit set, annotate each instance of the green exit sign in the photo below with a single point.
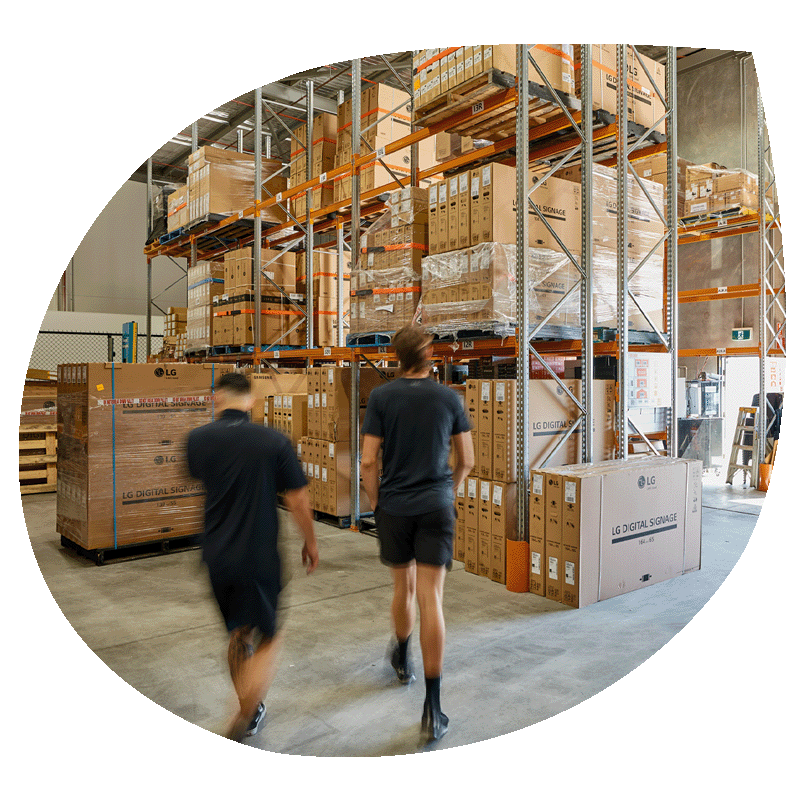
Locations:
(741, 334)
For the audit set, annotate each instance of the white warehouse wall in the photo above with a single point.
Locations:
(108, 273)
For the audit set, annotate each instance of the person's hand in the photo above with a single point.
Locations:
(310, 557)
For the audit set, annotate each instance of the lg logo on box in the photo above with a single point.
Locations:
(165, 460)
(649, 481)
(160, 372)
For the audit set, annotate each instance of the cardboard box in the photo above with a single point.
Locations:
(492, 217)
(504, 525)
(554, 561)
(458, 540)
(537, 509)
(122, 474)
(640, 519)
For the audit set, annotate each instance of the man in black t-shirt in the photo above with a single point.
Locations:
(414, 419)
(244, 467)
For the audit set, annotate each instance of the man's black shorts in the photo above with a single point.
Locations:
(246, 602)
(427, 538)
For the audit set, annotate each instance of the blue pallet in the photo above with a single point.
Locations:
(225, 349)
(379, 339)
(168, 237)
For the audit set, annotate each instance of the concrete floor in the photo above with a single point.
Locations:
(511, 660)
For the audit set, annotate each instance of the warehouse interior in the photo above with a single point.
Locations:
(701, 347)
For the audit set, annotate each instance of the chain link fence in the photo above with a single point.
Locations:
(71, 347)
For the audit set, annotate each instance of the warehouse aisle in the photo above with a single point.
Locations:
(511, 659)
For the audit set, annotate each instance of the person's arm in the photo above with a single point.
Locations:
(369, 467)
(299, 504)
(465, 457)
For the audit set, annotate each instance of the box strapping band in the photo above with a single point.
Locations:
(388, 247)
(345, 275)
(399, 290)
(553, 52)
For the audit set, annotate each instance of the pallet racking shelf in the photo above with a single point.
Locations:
(578, 134)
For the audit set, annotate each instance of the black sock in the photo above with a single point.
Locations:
(432, 687)
(402, 649)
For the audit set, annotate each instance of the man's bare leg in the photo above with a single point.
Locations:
(403, 617)
(252, 675)
(430, 591)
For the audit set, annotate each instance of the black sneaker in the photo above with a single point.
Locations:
(258, 720)
(434, 724)
(405, 672)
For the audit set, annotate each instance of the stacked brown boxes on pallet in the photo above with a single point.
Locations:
(175, 321)
(122, 476)
(644, 103)
(385, 118)
(437, 72)
(385, 290)
(323, 153)
(178, 209)
(713, 188)
(222, 182)
(325, 286)
(290, 415)
(234, 309)
(488, 497)
(468, 287)
(640, 519)
(325, 451)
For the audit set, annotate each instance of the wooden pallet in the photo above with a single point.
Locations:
(499, 123)
(130, 552)
(37, 458)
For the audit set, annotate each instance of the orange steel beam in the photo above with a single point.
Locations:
(727, 351)
(718, 293)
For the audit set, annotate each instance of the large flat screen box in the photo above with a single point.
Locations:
(269, 384)
(536, 512)
(122, 473)
(504, 525)
(626, 525)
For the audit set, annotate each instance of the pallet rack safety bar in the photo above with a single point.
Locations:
(587, 304)
(355, 258)
(523, 301)
(257, 338)
(671, 80)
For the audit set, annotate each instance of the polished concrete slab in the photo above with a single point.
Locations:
(511, 659)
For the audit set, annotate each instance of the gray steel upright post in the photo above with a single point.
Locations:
(355, 252)
(149, 197)
(149, 305)
(759, 455)
(309, 225)
(587, 298)
(672, 245)
(257, 337)
(193, 245)
(622, 252)
(523, 301)
(339, 284)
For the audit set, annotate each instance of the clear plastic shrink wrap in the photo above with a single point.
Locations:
(222, 182)
(122, 428)
(206, 281)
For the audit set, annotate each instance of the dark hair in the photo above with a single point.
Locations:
(234, 382)
(410, 343)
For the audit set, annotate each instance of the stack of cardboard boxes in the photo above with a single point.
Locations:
(386, 288)
(604, 529)
(325, 282)
(175, 321)
(713, 188)
(439, 71)
(206, 281)
(470, 276)
(234, 308)
(323, 153)
(122, 475)
(385, 118)
(654, 168)
(178, 208)
(289, 415)
(486, 502)
(222, 182)
(644, 104)
(325, 452)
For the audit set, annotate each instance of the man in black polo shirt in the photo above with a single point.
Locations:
(244, 467)
(414, 418)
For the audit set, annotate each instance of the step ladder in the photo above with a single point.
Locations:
(739, 446)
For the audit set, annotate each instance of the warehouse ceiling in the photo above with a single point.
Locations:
(285, 103)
